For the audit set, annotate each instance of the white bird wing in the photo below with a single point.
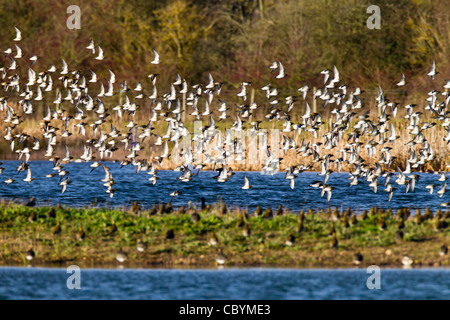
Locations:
(67, 152)
(156, 60)
(336, 74)
(110, 88)
(246, 182)
(211, 81)
(65, 67)
(178, 80)
(392, 130)
(19, 52)
(166, 148)
(31, 76)
(281, 71)
(18, 34)
(112, 76)
(100, 53)
(307, 111)
(91, 45)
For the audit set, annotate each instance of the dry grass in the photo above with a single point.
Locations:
(252, 163)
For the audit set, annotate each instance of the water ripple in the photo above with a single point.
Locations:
(268, 191)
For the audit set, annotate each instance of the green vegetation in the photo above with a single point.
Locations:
(316, 239)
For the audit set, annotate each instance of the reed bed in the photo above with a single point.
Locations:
(32, 127)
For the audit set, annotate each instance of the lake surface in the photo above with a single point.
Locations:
(86, 189)
(233, 284)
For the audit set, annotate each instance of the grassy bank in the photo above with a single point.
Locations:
(319, 238)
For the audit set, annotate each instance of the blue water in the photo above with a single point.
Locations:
(87, 190)
(234, 284)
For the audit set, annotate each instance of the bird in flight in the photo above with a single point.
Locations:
(246, 184)
(402, 81)
(100, 54)
(91, 46)
(156, 59)
(18, 35)
(432, 72)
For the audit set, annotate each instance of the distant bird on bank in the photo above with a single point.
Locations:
(213, 239)
(246, 231)
(141, 246)
(31, 202)
(203, 205)
(443, 250)
(170, 234)
(195, 217)
(57, 228)
(398, 235)
(112, 228)
(81, 234)
(30, 254)
(334, 241)
(51, 213)
(121, 256)
(358, 258)
(407, 261)
(135, 208)
(33, 217)
(221, 258)
(290, 240)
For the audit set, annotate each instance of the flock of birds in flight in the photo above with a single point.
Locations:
(167, 108)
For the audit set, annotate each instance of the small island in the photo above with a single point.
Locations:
(193, 237)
